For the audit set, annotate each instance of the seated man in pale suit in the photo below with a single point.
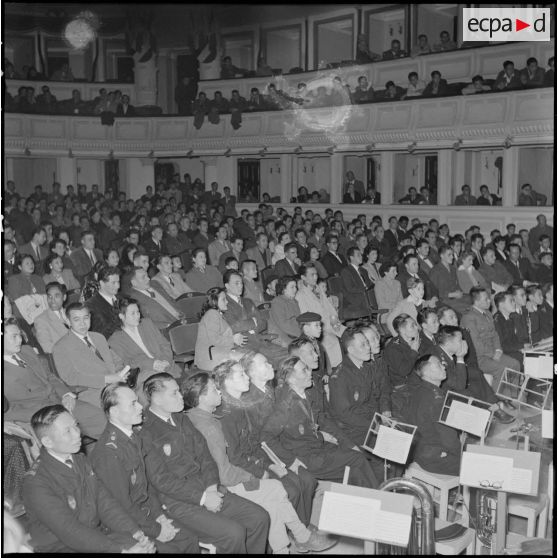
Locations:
(30, 386)
(153, 305)
(252, 285)
(356, 285)
(83, 359)
(260, 253)
(85, 257)
(219, 246)
(52, 324)
(167, 282)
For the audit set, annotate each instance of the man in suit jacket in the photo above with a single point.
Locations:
(9, 258)
(426, 263)
(331, 260)
(480, 323)
(153, 305)
(83, 358)
(444, 278)
(219, 246)
(243, 317)
(37, 249)
(508, 78)
(358, 185)
(290, 263)
(411, 269)
(465, 198)
(30, 386)
(356, 284)
(85, 257)
(236, 251)
(103, 305)
(52, 324)
(125, 108)
(260, 253)
(229, 202)
(212, 196)
(154, 245)
(391, 239)
(166, 282)
(519, 268)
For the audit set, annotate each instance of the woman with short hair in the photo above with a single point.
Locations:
(55, 272)
(284, 311)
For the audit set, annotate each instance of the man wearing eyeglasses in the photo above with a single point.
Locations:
(438, 449)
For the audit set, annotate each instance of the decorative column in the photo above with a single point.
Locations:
(445, 176)
(66, 172)
(100, 70)
(387, 159)
(210, 172)
(227, 174)
(140, 172)
(336, 175)
(287, 163)
(458, 174)
(510, 177)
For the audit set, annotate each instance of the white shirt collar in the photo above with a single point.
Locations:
(10, 358)
(61, 459)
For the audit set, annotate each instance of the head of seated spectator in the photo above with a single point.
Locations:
(395, 51)
(445, 42)
(407, 329)
(392, 91)
(231, 378)
(427, 319)
(162, 394)
(476, 86)
(429, 368)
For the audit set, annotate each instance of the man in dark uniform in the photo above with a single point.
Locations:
(402, 352)
(117, 460)
(461, 378)
(294, 433)
(69, 510)
(311, 327)
(186, 478)
(354, 391)
(437, 448)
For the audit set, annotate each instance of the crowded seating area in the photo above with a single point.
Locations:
(214, 344)
(115, 305)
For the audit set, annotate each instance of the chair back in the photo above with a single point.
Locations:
(335, 285)
(183, 338)
(190, 304)
(265, 273)
(264, 309)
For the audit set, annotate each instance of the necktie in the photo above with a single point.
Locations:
(115, 303)
(61, 316)
(480, 257)
(151, 294)
(360, 273)
(91, 257)
(20, 361)
(93, 348)
(37, 253)
(69, 463)
(170, 421)
(171, 281)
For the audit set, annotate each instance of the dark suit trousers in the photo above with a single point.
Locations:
(329, 464)
(184, 542)
(300, 490)
(241, 527)
(478, 387)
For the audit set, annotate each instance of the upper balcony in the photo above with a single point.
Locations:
(524, 117)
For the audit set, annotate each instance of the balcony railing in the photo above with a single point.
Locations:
(517, 118)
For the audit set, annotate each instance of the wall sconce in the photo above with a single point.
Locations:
(457, 145)
(189, 153)
(411, 148)
(331, 150)
(370, 147)
(111, 155)
(26, 152)
(151, 154)
(70, 154)
(263, 152)
(508, 142)
(227, 153)
(298, 150)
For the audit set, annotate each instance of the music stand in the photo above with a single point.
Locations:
(389, 439)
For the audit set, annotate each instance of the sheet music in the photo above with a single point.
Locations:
(467, 418)
(520, 481)
(538, 366)
(392, 528)
(477, 467)
(392, 445)
(348, 515)
(547, 424)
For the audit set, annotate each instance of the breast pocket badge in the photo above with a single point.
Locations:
(72, 502)
(133, 477)
(301, 429)
(356, 395)
(167, 450)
